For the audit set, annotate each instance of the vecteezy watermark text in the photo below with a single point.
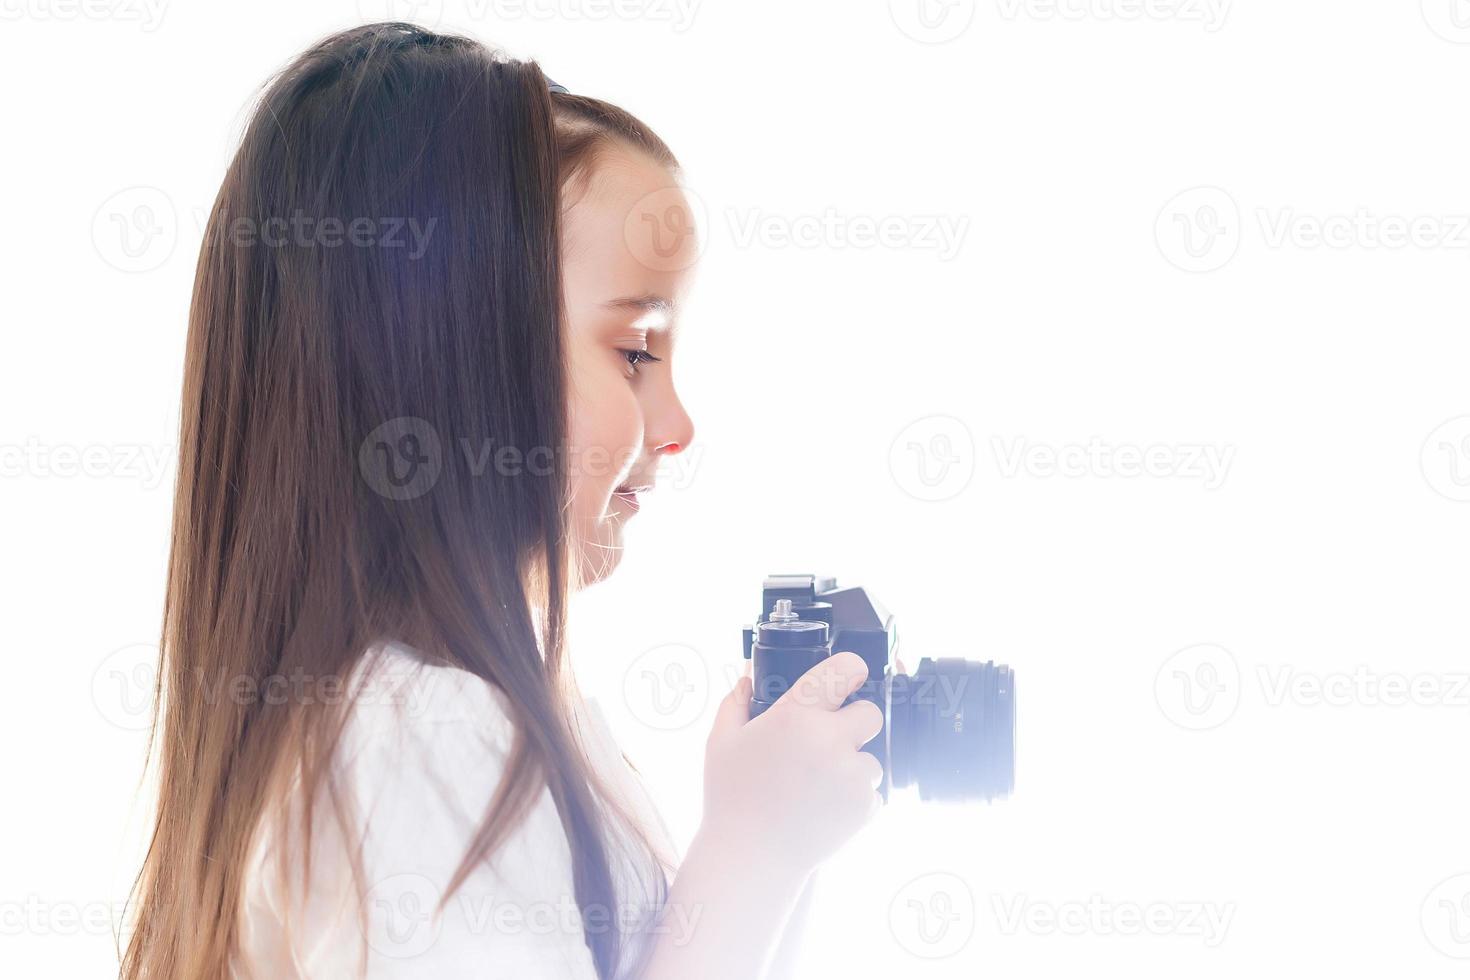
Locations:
(403, 459)
(942, 234)
(1099, 916)
(147, 13)
(1210, 14)
(149, 465)
(1209, 464)
(302, 230)
(1200, 687)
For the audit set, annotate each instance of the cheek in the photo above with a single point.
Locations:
(606, 431)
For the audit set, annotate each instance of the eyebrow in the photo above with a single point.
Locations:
(647, 303)
(651, 303)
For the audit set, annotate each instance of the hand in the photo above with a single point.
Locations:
(790, 787)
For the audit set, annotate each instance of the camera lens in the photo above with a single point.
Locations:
(953, 729)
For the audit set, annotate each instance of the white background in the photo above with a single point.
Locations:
(1183, 230)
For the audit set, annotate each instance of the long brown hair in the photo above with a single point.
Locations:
(290, 556)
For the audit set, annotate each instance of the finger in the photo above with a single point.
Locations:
(734, 710)
(861, 721)
(829, 683)
(871, 768)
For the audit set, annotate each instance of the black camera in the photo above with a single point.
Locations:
(949, 728)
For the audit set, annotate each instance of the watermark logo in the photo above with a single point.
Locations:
(424, 13)
(1450, 19)
(1198, 688)
(932, 21)
(401, 459)
(933, 458)
(123, 686)
(1445, 917)
(1445, 459)
(1198, 230)
(136, 229)
(667, 687)
(933, 916)
(402, 918)
(661, 229)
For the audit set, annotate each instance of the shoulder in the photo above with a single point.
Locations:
(422, 753)
(394, 688)
(436, 734)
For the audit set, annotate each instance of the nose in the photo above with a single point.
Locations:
(676, 430)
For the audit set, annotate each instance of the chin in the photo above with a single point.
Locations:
(599, 552)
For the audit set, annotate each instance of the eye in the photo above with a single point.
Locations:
(637, 357)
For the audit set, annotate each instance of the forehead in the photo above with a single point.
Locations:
(629, 227)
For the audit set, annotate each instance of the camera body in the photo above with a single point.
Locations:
(948, 728)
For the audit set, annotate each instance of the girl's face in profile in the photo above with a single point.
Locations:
(627, 250)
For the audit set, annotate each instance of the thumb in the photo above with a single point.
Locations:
(734, 710)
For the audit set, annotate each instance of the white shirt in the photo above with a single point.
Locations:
(420, 758)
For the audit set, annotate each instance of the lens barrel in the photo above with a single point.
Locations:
(953, 729)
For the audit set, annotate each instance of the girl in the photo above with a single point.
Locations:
(428, 376)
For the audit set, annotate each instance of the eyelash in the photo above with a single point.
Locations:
(637, 357)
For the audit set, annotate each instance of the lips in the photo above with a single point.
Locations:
(628, 493)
